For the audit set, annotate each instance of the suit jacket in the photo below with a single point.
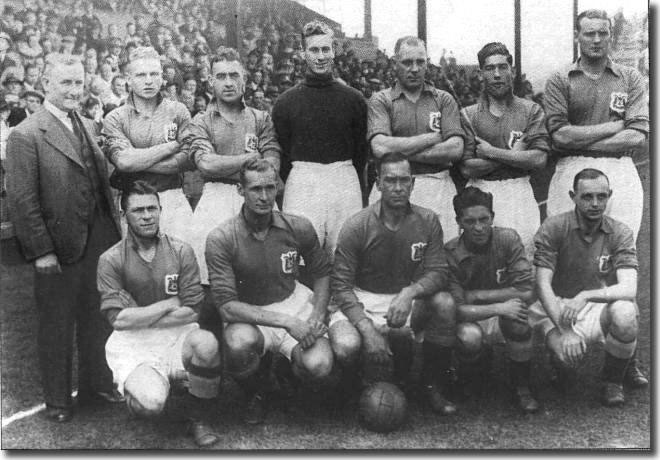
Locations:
(49, 194)
(16, 115)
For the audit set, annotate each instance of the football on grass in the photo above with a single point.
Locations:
(383, 407)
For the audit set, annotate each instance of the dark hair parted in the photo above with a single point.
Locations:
(472, 196)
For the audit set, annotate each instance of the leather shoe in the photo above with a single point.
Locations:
(613, 394)
(525, 400)
(634, 376)
(113, 397)
(439, 404)
(255, 412)
(203, 434)
(58, 414)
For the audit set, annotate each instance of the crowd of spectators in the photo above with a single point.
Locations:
(186, 39)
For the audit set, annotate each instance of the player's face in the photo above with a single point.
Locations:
(411, 67)
(227, 81)
(591, 198)
(395, 183)
(143, 215)
(259, 191)
(145, 77)
(594, 38)
(477, 225)
(498, 76)
(319, 54)
(64, 86)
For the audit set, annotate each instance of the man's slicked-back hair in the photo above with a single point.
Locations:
(592, 14)
(225, 53)
(588, 174)
(393, 157)
(54, 60)
(142, 52)
(409, 40)
(138, 187)
(316, 28)
(491, 49)
(472, 196)
(257, 165)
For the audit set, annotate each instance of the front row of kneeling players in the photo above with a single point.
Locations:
(393, 283)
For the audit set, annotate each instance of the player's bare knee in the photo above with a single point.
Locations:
(346, 342)
(204, 347)
(623, 319)
(470, 338)
(241, 338)
(515, 330)
(443, 306)
(146, 391)
(317, 361)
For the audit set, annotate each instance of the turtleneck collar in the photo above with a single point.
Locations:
(318, 81)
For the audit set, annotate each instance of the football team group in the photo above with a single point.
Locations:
(340, 288)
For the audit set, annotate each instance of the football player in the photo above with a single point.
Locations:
(151, 294)
(491, 283)
(253, 262)
(321, 126)
(422, 123)
(219, 141)
(389, 261)
(586, 275)
(142, 141)
(511, 142)
(597, 114)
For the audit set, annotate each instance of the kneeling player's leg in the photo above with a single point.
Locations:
(619, 324)
(439, 341)
(201, 359)
(518, 338)
(244, 344)
(146, 391)
(314, 363)
(473, 359)
(345, 340)
(439, 337)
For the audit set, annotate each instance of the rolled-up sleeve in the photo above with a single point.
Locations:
(536, 134)
(555, 101)
(268, 145)
(637, 107)
(191, 293)
(434, 274)
(625, 252)
(518, 268)
(450, 121)
(316, 259)
(113, 132)
(197, 139)
(378, 115)
(453, 285)
(547, 249)
(344, 270)
(109, 284)
(219, 254)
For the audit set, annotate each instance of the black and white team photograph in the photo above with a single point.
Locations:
(326, 225)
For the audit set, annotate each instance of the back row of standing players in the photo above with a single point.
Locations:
(596, 117)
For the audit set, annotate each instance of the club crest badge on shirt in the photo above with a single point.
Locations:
(251, 143)
(514, 136)
(417, 251)
(434, 121)
(171, 131)
(618, 102)
(172, 284)
(500, 275)
(289, 260)
(604, 264)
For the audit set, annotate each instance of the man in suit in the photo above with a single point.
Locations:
(64, 216)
